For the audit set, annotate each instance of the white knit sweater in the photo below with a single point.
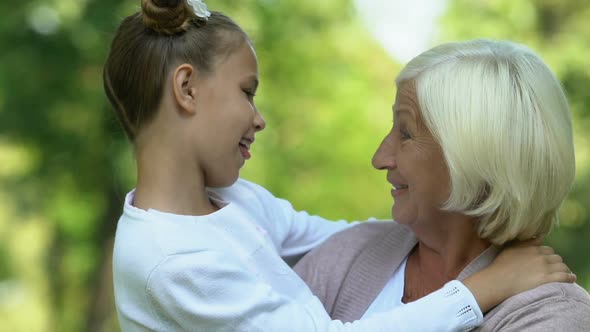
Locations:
(224, 271)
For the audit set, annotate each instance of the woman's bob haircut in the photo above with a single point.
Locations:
(503, 123)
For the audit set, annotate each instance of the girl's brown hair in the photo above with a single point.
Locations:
(149, 43)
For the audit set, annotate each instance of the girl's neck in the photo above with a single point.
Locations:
(440, 256)
(169, 184)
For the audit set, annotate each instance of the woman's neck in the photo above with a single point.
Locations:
(443, 251)
(170, 182)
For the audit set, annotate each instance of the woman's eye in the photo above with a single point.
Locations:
(404, 134)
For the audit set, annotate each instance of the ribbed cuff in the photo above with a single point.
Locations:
(467, 311)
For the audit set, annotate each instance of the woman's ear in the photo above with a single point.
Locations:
(184, 88)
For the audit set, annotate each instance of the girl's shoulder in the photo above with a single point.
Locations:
(241, 190)
(252, 200)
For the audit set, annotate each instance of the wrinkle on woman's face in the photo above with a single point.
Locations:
(419, 162)
(407, 113)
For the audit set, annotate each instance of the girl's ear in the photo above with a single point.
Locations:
(184, 88)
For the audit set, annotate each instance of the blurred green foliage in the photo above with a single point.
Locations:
(326, 93)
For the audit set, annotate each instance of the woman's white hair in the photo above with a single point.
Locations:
(503, 122)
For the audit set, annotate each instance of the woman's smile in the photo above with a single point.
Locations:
(399, 190)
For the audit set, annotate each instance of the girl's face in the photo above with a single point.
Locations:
(227, 116)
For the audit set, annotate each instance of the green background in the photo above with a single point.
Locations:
(326, 93)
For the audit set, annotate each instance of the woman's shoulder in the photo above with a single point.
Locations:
(554, 306)
(547, 293)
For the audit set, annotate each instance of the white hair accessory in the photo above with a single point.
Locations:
(200, 9)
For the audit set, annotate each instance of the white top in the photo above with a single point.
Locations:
(224, 272)
(392, 293)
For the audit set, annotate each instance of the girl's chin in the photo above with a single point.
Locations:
(224, 181)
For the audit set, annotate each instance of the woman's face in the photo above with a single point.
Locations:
(414, 162)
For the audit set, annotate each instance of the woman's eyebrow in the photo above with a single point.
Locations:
(403, 111)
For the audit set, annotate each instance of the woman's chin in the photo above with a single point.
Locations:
(399, 216)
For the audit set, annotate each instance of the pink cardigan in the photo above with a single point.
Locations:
(351, 268)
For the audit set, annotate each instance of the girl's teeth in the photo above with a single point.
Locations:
(245, 143)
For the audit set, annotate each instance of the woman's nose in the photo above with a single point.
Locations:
(384, 157)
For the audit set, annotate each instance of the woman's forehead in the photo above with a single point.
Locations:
(406, 100)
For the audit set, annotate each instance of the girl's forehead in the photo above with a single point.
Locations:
(240, 60)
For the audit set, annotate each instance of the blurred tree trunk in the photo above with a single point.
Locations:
(101, 307)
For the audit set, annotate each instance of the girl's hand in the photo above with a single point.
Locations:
(518, 268)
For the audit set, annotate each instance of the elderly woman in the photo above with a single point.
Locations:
(481, 153)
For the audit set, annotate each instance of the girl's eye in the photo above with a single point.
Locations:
(250, 94)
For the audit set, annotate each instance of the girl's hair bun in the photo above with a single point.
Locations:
(166, 16)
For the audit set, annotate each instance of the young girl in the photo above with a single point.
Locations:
(197, 248)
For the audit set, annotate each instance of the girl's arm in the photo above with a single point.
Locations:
(293, 232)
(302, 232)
(215, 291)
(220, 294)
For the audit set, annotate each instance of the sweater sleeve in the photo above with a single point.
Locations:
(221, 294)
